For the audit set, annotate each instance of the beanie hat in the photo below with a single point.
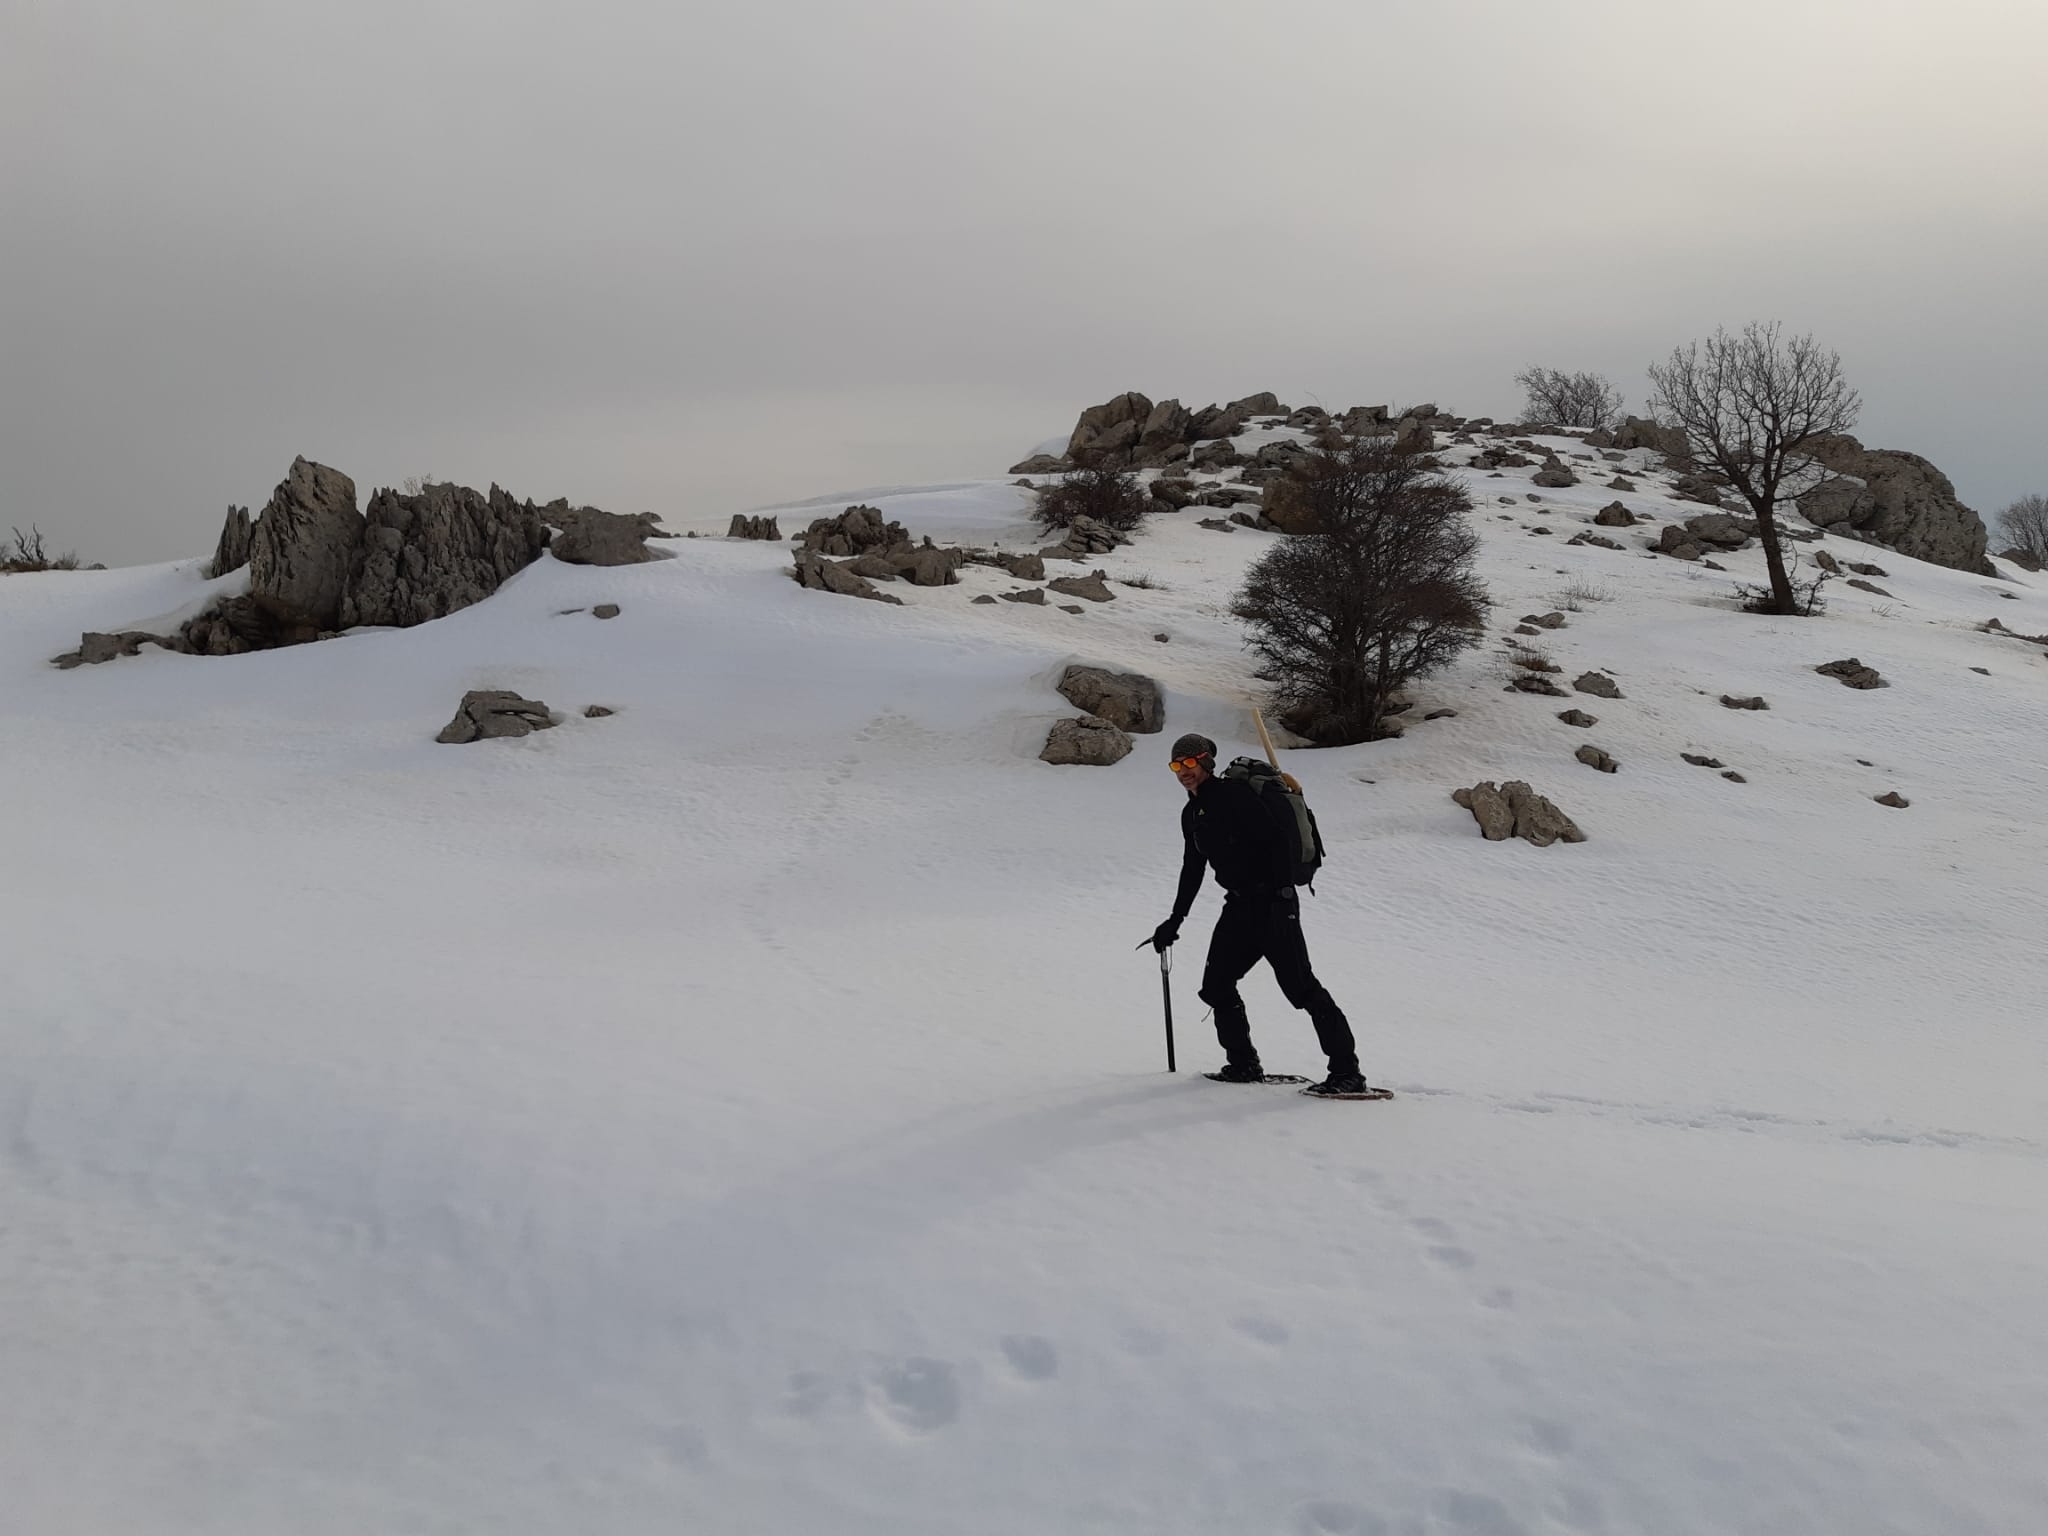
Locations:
(1194, 745)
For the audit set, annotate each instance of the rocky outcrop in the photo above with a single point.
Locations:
(1094, 587)
(1515, 810)
(1593, 757)
(1696, 488)
(1851, 673)
(745, 527)
(1108, 433)
(425, 556)
(1128, 700)
(251, 622)
(1083, 537)
(853, 532)
(587, 536)
(1042, 464)
(1413, 435)
(1639, 432)
(95, 648)
(1554, 476)
(236, 535)
(302, 546)
(814, 571)
(1895, 498)
(1088, 741)
(487, 714)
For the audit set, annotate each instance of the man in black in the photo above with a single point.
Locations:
(1226, 828)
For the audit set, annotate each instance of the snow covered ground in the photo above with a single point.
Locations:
(746, 1113)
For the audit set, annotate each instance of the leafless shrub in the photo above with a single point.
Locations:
(1377, 592)
(1568, 399)
(28, 553)
(2024, 525)
(1580, 591)
(1109, 495)
(1806, 600)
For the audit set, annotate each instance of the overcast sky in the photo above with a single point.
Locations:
(697, 257)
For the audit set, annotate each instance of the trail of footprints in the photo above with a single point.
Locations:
(920, 1395)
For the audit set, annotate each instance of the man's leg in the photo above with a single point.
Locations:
(1234, 949)
(1287, 952)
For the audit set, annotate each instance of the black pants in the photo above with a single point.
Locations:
(1257, 927)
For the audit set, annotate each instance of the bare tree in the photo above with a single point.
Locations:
(2025, 526)
(1098, 490)
(1377, 591)
(1568, 399)
(1748, 406)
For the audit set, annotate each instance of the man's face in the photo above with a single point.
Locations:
(1191, 771)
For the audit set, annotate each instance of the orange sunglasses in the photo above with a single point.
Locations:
(1184, 762)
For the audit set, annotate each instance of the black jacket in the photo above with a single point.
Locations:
(1226, 827)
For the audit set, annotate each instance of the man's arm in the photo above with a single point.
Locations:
(1191, 866)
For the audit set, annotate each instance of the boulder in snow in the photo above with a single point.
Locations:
(1087, 741)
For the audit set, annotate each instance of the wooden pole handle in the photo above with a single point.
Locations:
(1273, 757)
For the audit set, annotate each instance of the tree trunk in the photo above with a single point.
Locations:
(1764, 505)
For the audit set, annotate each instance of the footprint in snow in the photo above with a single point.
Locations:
(1263, 1329)
(918, 1395)
(1336, 1517)
(1031, 1357)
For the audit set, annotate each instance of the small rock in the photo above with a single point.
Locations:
(605, 611)
(1128, 700)
(1750, 703)
(1162, 637)
(1577, 717)
(1547, 620)
(1599, 684)
(1086, 741)
(597, 711)
(1894, 799)
(1985, 670)
(1619, 484)
(1733, 777)
(486, 714)
(1593, 757)
(1702, 762)
(1529, 682)
(1515, 810)
(1441, 714)
(1614, 515)
(1527, 629)
(1827, 562)
(1025, 595)
(1866, 586)
(1851, 673)
(1072, 608)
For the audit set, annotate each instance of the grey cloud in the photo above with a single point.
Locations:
(695, 258)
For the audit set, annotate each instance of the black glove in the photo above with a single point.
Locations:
(1164, 935)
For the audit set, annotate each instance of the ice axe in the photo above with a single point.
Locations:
(1166, 997)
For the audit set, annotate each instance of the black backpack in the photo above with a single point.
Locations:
(1294, 822)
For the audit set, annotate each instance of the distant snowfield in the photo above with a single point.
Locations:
(747, 1113)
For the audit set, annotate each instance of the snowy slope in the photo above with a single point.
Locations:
(746, 1113)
